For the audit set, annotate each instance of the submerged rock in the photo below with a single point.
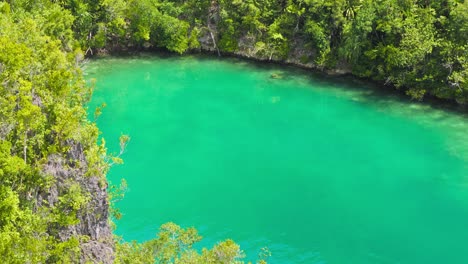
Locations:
(276, 76)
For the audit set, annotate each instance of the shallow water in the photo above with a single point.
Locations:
(318, 170)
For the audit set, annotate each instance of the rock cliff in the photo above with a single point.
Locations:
(94, 216)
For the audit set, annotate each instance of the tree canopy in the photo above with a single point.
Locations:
(419, 46)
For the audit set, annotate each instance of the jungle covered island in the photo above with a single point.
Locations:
(55, 202)
(57, 206)
(417, 46)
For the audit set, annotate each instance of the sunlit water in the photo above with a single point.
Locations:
(317, 170)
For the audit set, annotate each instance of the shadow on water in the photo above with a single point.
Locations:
(447, 114)
(379, 94)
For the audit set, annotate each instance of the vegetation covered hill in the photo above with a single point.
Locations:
(54, 204)
(54, 201)
(420, 46)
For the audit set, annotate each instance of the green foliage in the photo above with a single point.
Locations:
(410, 46)
(42, 117)
(174, 244)
(414, 45)
(116, 193)
(41, 111)
(69, 204)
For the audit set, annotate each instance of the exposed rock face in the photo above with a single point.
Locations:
(93, 218)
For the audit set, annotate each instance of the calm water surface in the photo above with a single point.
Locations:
(317, 170)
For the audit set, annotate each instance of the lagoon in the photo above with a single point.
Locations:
(317, 169)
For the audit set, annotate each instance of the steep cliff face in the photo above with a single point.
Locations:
(93, 217)
(54, 205)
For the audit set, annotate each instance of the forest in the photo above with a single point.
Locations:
(53, 164)
(418, 46)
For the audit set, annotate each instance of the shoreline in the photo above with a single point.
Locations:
(430, 100)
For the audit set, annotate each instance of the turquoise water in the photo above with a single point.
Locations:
(317, 170)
